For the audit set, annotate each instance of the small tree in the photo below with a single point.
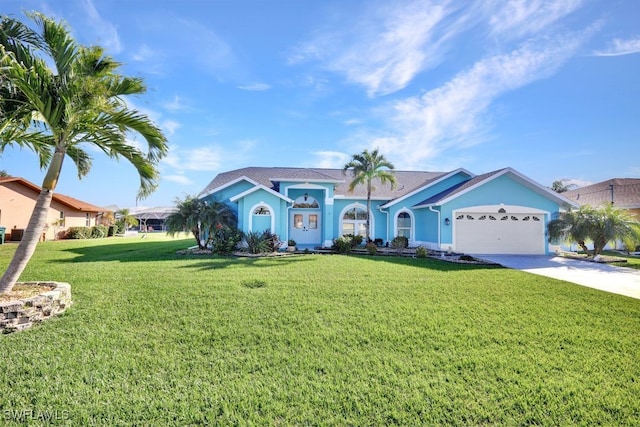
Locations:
(559, 186)
(597, 225)
(126, 219)
(200, 218)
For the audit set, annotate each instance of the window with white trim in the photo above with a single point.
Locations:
(403, 225)
(354, 221)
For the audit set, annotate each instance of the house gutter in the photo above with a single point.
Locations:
(379, 207)
(439, 227)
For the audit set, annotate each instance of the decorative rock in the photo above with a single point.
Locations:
(18, 315)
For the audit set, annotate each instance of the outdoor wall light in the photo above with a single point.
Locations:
(306, 196)
(447, 221)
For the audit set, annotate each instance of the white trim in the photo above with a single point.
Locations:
(437, 181)
(524, 180)
(256, 206)
(493, 209)
(412, 234)
(260, 187)
(359, 206)
(230, 183)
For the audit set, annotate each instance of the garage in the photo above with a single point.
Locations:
(500, 230)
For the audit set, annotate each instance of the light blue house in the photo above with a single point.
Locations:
(500, 212)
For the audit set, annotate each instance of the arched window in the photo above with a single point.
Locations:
(354, 221)
(261, 210)
(261, 217)
(305, 202)
(403, 225)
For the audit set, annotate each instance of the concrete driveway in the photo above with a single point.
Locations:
(606, 277)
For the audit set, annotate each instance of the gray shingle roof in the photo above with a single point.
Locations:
(407, 180)
(626, 193)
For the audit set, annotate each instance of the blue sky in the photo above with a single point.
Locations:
(550, 88)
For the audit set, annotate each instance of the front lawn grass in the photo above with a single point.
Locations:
(156, 338)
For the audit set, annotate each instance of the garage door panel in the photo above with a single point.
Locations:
(483, 233)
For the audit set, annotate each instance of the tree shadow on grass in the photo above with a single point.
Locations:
(150, 251)
(430, 263)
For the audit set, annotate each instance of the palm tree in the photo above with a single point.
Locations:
(126, 218)
(200, 218)
(598, 225)
(67, 96)
(559, 186)
(365, 168)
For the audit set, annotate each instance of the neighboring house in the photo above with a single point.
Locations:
(18, 198)
(152, 219)
(623, 193)
(497, 212)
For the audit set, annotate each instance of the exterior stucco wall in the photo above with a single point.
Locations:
(501, 190)
(17, 203)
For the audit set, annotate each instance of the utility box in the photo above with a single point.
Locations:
(2, 230)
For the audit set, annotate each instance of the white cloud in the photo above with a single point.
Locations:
(386, 47)
(175, 104)
(108, 34)
(208, 158)
(171, 126)
(527, 17)
(619, 47)
(330, 159)
(180, 179)
(257, 87)
(455, 114)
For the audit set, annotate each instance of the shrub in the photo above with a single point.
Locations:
(344, 244)
(224, 240)
(272, 241)
(78, 233)
(255, 242)
(400, 243)
(99, 231)
(372, 249)
(422, 251)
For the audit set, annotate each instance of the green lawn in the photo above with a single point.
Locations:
(155, 338)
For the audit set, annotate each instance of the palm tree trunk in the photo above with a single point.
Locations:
(28, 243)
(368, 212)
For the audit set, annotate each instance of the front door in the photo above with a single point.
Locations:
(304, 227)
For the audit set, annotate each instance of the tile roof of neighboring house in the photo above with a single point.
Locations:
(624, 192)
(407, 180)
(61, 198)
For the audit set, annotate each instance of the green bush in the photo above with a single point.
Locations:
(344, 244)
(372, 249)
(255, 242)
(422, 252)
(78, 233)
(400, 243)
(224, 240)
(272, 240)
(99, 231)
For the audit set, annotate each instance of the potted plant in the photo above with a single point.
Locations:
(291, 245)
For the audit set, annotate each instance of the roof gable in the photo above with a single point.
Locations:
(477, 181)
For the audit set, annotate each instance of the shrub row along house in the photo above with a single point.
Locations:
(497, 212)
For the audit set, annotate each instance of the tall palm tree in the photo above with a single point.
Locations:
(67, 96)
(366, 167)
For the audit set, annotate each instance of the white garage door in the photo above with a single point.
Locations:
(499, 233)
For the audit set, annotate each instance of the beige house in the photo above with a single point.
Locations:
(18, 198)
